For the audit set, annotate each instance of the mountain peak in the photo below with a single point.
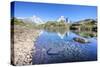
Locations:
(62, 18)
(34, 19)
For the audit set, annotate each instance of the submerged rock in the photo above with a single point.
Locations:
(54, 51)
(80, 40)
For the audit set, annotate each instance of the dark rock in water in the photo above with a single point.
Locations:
(52, 51)
(81, 40)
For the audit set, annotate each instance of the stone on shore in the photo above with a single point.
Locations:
(22, 45)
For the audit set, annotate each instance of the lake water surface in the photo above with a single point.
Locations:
(55, 47)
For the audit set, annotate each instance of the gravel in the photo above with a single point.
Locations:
(22, 45)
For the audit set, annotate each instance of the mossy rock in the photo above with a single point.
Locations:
(80, 40)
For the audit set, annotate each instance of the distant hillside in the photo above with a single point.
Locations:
(20, 22)
(15, 21)
(87, 21)
(87, 24)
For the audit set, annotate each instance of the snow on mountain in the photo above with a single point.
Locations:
(62, 18)
(33, 19)
(37, 20)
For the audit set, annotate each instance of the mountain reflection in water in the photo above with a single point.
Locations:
(58, 47)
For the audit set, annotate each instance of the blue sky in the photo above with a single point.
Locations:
(53, 11)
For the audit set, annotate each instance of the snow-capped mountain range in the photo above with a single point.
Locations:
(38, 20)
(33, 19)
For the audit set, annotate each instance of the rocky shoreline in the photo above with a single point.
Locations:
(22, 45)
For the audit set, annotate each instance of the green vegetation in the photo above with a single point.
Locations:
(85, 25)
(54, 26)
(15, 21)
